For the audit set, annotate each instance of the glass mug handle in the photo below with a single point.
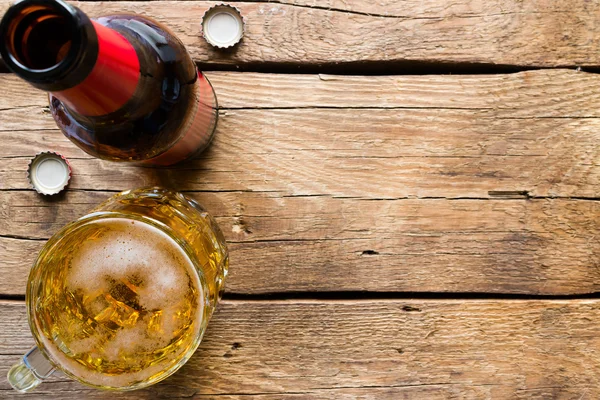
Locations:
(28, 373)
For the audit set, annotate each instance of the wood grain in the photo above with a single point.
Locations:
(387, 349)
(530, 134)
(529, 94)
(530, 33)
(327, 183)
(434, 8)
(490, 181)
(320, 243)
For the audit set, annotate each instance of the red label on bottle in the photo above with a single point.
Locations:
(198, 129)
(113, 79)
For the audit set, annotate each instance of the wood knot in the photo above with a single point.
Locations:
(240, 226)
(234, 346)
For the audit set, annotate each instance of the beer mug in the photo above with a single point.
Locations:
(120, 298)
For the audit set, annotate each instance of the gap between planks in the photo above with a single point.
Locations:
(347, 297)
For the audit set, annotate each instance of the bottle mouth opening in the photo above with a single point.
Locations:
(39, 36)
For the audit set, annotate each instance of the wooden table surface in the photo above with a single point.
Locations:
(409, 190)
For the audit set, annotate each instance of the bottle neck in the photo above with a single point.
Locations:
(111, 82)
(92, 69)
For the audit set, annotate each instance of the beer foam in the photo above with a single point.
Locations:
(126, 251)
(136, 282)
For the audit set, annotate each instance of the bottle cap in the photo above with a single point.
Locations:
(49, 173)
(222, 26)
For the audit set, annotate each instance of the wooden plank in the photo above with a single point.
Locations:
(431, 392)
(386, 349)
(320, 243)
(372, 154)
(528, 94)
(516, 143)
(433, 8)
(523, 33)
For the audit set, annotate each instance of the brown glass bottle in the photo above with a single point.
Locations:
(121, 87)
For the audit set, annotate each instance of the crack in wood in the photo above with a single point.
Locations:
(492, 195)
(315, 107)
(19, 237)
(358, 296)
(378, 68)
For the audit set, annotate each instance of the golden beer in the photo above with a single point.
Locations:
(120, 298)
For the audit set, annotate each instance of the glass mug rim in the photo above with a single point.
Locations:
(34, 281)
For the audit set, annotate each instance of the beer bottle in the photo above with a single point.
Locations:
(121, 87)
